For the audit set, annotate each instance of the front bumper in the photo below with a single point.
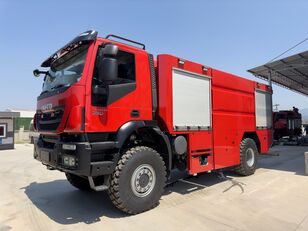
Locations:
(53, 157)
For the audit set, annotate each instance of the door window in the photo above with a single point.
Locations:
(124, 84)
(126, 67)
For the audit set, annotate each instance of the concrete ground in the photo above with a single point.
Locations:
(275, 198)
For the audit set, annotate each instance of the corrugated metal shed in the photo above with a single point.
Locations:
(290, 72)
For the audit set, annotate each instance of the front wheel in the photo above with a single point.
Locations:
(138, 180)
(248, 157)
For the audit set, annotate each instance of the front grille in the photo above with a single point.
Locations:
(49, 121)
(50, 138)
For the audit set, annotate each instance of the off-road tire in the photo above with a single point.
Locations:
(120, 190)
(78, 182)
(243, 168)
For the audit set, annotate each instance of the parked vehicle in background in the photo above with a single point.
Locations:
(113, 117)
(287, 123)
(33, 134)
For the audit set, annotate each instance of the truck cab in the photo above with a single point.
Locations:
(96, 94)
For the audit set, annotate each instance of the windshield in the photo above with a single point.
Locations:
(66, 70)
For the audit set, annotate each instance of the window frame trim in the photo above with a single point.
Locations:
(4, 130)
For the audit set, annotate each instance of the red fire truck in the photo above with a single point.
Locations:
(112, 117)
(287, 123)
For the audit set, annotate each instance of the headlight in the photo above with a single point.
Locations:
(69, 160)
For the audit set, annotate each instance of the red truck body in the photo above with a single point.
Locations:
(233, 114)
(146, 109)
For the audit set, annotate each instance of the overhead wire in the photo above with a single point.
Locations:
(291, 48)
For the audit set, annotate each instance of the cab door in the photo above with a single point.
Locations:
(112, 104)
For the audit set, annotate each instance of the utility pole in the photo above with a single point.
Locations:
(276, 107)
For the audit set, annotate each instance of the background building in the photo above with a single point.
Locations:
(22, 124)
(7, 129)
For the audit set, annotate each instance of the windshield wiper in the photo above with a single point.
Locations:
(53, 88)
(44, 92)
(58, 86)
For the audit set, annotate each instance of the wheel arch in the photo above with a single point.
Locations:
(156, 139)
(254, 137)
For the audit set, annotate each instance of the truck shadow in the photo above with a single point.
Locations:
(66, 205)
(185, 184)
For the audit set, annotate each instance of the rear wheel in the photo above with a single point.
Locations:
(138, 180)
(78, 181)
(248, 156)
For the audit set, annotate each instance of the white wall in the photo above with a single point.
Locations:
(23, 113)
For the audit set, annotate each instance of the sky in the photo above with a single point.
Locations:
(231, 35)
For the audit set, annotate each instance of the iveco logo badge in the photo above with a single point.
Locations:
(46, 107)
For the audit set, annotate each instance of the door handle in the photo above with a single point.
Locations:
(134, 113)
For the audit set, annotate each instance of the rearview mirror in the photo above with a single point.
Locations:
(108, 68)
(110, 50)
(36, 73)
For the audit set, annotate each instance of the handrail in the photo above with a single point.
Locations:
(125, 39)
